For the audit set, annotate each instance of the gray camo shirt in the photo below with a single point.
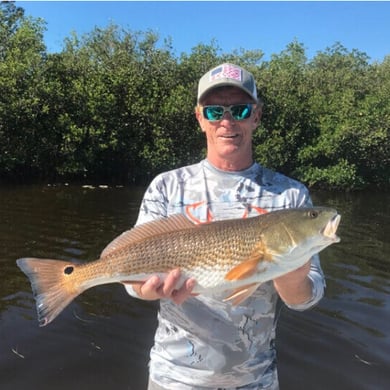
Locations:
(206, 343)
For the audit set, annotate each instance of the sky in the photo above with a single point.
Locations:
(268, 26)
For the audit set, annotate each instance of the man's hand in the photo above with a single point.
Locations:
(155, 288)
(295, 287)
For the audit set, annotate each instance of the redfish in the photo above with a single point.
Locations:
(233, 256)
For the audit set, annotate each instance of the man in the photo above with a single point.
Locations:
(202, 342)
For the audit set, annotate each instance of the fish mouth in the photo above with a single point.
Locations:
(330, 229)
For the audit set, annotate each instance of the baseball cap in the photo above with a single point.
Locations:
(227, 75)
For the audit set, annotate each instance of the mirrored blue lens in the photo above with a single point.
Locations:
(239, 112)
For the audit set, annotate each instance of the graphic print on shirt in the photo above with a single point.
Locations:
(191, 208)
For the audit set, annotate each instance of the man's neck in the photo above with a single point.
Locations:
(231, 165)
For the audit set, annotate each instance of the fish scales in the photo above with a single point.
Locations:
(215, 247)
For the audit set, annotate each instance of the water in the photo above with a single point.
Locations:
(102, 339)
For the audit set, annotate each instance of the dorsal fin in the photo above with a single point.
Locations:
(149, 229)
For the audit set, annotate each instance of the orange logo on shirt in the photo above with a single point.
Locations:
(210, 218)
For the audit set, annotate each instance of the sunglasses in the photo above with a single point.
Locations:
(239, 112)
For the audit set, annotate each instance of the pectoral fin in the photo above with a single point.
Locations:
(239, 295)
(243, 270)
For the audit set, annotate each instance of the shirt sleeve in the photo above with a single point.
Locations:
(316, 274)
(155, 202)
(317, 279)
(153, 206)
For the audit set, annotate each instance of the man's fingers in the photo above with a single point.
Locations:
(151, 285)
(157, 288)
(170, 283)
(185, 291)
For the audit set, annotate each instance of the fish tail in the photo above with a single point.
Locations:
(53, 285)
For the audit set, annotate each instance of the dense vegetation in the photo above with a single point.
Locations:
(115, 106)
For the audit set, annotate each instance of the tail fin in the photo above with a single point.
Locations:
(53, 285)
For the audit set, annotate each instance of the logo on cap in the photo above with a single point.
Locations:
(226, 71)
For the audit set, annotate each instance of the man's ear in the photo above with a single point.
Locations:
(258, 115)
(199, 117)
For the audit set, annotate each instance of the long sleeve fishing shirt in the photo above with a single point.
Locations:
(206, 343)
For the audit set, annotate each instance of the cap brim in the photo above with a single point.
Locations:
(223, 83)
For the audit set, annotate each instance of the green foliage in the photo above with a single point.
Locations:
(342, 175)
(22, 59)
(116, 105)
(287, 117)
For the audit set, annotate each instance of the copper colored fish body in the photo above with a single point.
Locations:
(233, 256)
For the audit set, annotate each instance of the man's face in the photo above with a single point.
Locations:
(229, 139)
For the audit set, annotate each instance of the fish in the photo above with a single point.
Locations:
(232, 256)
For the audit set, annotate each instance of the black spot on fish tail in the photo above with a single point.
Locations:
(68, 270)
(52, 285)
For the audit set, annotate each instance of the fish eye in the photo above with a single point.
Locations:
(312, 213)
